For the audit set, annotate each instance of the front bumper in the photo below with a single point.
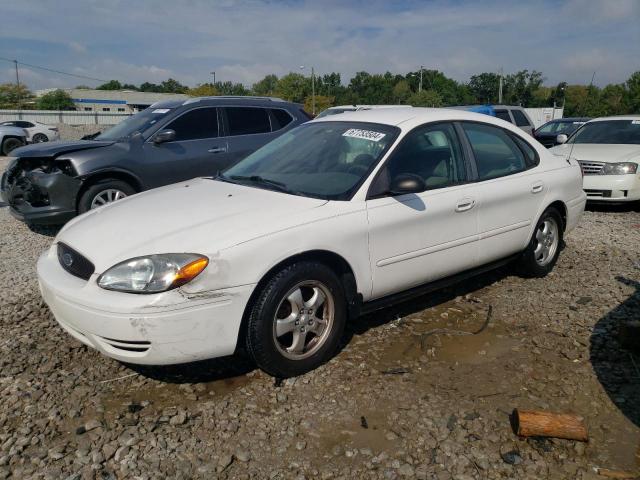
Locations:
(38, 197)
(158, 329)
(612, 188)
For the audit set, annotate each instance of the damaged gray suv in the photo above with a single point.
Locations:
(49, 183)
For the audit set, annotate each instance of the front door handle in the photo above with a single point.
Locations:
(465, 204)
(537, 187)
(217, 150)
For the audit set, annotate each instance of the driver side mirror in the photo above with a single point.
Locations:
(407, 183)
(164, 136)
(562, 138)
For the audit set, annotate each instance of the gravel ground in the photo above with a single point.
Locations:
(398, 401)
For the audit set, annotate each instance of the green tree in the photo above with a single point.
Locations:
(294, 87)
(322, 103)
(484, 87)
(150, 87)
(56, 100)
(401, 92)
(518, 88)
(230, 88)
(613, 99)
(110, 85)
(426, 98)
(265, 87)
(14, 96)
(203, 90)
(633, 93)
(173, 86)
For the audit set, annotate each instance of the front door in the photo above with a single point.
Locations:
(418, 238)
(196, 151)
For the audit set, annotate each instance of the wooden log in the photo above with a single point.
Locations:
(605, 472)
(529, 423)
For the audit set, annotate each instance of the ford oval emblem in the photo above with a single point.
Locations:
(67, 259)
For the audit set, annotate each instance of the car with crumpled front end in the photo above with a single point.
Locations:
(50, 183)
(608, 150)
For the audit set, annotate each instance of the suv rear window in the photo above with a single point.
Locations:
(520, 118)
(282, 118)
(503, 115)
(247, 120)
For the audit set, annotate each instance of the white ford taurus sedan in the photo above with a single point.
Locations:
(608, 150)
(341, 215)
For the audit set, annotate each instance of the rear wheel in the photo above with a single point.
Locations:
(542, 252)
(39, 138)
(104, 192)
(297, 320)
(10, 144)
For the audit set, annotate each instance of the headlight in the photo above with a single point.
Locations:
(153, 273)
(619, 168)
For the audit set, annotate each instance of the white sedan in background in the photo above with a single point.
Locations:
(608, 149)
(36, 132)
(340, 215)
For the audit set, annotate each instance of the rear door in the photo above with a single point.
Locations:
(246, 129)
(510, 189)
(195, 151)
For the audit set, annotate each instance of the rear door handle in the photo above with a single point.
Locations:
(217, 150)
(537, 187)
(465, 204)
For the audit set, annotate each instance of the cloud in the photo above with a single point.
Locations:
(243, 41)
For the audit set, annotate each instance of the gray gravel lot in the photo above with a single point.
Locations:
(398, 401)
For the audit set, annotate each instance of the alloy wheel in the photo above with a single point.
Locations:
(107, 196)
(547, 240)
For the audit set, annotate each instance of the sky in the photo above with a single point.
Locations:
(135, 41)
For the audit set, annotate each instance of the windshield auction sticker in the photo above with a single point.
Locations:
(365, 134)
(161, 110)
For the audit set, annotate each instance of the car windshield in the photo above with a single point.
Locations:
(136, 123)
(609, 132)
(560, 127)
(328, 160)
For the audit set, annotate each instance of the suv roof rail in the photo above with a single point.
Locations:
(233, 97)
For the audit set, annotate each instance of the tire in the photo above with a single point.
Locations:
(107, 188)
(275, 350)
(39, 138)
(543, 249)
(10, 144)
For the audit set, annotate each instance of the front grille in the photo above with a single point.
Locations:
(598, 193)
(74, 263)
(591, 168)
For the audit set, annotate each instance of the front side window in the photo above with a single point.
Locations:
(625, 132)
(520, 118)
(495, 151)
(431, 152)
(328, 160)
(247, 120)
(503, 115)
(196, 124)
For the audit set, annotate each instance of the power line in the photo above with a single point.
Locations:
(85, 77)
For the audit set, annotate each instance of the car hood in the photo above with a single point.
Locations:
(53, 149)
(199, 216)
(599, 153)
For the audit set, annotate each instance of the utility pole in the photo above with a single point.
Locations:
(15, 63)
(420, 84)
(500, 88)
(214, 77)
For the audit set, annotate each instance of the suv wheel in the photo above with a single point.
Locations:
(297, 320)
(541, 254)
(40, 138)
(10, 144)
(103, 192)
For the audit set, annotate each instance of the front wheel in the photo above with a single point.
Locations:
(104, 192)
(541, 254)
(10, 144)
(297, 320)
(40, 138)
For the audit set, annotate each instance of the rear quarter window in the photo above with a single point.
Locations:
(520, 118)
(282, 117)
(503, 115)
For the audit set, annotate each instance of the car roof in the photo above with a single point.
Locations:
(226, 100)
(407, 118)
(616, 117)
(570, 119)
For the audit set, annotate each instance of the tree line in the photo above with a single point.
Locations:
(432, 89)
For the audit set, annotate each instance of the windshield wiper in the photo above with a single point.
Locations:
(261, 180)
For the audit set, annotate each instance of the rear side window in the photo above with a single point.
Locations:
(247, 120)
(531, 157)
(495, 151)
(503, 115)
(520, 118)
(282, 118)
(196, 124)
